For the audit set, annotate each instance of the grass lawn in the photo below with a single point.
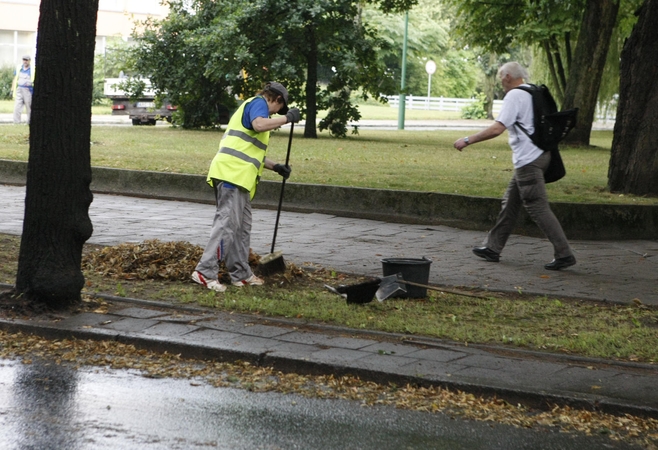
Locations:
(7, 107)
(399, 159)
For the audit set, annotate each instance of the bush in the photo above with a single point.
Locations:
(476, 109)
(6, 79)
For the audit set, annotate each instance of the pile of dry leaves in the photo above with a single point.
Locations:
(167, 261)
(150, 260)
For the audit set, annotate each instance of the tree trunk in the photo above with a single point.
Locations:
(558, 92)
(310, 129)
(588, 64)
(56, 223)
(634, 157)
(490, 80)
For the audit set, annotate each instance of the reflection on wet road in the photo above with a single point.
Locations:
(47, 406)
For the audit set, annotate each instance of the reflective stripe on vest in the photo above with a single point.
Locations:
(245, 137)
(241, 156)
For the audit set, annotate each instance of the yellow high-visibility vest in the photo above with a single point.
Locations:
(241, 156)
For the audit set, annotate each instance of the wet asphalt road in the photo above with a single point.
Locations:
(45, 406)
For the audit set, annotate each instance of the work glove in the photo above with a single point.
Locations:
(293, 115)
(283, 170)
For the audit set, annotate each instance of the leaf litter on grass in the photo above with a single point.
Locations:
(622, 332)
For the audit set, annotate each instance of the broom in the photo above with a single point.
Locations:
(273, 262)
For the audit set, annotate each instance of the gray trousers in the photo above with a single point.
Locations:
(230, 235)
(23, 98)
(527, 189)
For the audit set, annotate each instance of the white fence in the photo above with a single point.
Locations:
(603, 113)
(437, 103)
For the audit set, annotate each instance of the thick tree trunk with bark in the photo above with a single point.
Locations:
(634, 158)
(490, 80)
(57, 223)
(588, 64)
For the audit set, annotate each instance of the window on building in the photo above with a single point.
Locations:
(15, 44)
(131, 6)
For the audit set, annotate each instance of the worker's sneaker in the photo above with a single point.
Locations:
(214, 285)
(251, 281)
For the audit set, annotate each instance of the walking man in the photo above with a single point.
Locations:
(22, 88)
(527, 187)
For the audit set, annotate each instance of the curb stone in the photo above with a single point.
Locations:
(374, 370)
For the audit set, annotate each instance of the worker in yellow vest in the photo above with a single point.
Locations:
(22, 88)
(234, 174)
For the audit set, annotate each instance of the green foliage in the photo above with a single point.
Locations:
(116, 60)
(549, 26)
(340, 112)
(6, 79)
(475, 110)
(497, 26)
(206, 53)
(428, 38)
(134, 86)
(185, 58)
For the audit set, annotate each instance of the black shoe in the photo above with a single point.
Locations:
(487, 253)
(561, 263)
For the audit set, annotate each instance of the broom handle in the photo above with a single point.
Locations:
(283, 185)
(427, 286)
(434, 288)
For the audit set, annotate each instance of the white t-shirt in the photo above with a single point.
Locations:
(517, 107)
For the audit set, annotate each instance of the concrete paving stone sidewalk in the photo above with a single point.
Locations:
(618, 271)
(615, 271)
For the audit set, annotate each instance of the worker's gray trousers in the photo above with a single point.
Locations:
(23, 98)
(230, 235)
(527, 189)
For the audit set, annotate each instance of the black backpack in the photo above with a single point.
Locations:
(551, 126)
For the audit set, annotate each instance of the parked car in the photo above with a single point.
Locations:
(141, 110)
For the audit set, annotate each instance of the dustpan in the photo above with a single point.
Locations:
(389, 286)
(394, 284)
(357, 293)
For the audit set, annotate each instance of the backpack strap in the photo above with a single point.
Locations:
(529, 90)
(522, 129)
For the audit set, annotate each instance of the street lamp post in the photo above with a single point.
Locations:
(402, 99)
(430, 68)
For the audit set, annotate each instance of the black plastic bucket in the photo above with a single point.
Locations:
(416, 270)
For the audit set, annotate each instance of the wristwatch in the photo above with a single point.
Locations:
(466, 140)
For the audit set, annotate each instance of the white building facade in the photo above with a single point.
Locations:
(116, 20)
